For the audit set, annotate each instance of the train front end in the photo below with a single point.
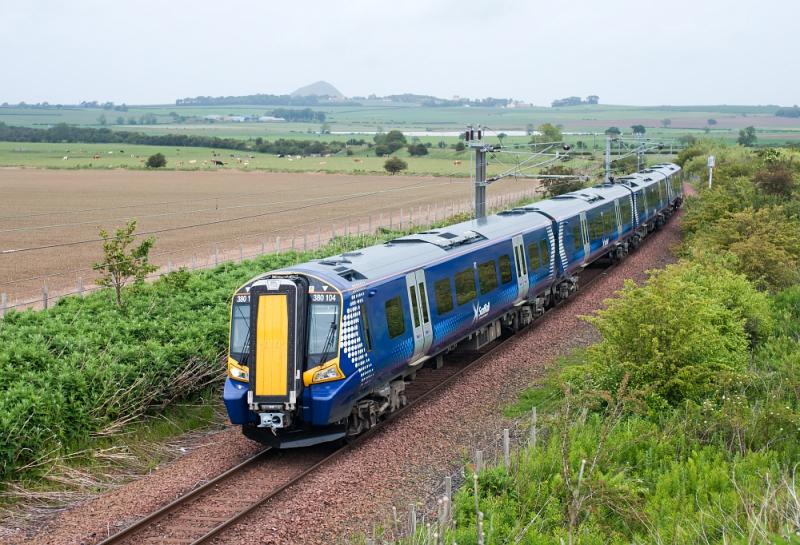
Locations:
(284, 373)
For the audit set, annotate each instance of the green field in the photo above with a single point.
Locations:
(374, 115)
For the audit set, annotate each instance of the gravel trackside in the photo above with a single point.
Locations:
(400, 463)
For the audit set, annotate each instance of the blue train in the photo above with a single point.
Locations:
(323, 350)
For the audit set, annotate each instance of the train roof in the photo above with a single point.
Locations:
(411, 252)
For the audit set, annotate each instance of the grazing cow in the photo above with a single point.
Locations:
(96, 156)
(246, 163)
(193, 161)
(217, 162)
(356, 160)
(456, 162)
(65, 158)
(322, 163)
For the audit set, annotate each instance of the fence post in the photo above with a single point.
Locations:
(241, 253)
(194, 261)
(448, 492)
(478, 461)
(277, 245)
(293, 243)
(369, 224)
(216, 255)
(45, 295)
(3, 304)
(305, 242)
(412, 516)
(533, 427)
(506, 448)
(169, 266)
(80, 286)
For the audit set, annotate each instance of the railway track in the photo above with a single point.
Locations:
(204, 512)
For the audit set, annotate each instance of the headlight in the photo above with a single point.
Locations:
(329, 373)
(323, 373)
(237, 371)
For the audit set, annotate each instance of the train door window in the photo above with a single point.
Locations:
(465, 286)
(544, 250)
(412, 292)
(533, 256)
(487, 276)
(576, 237)
(365, 327)
(596, 226)
(444, 296)
(516, 260)
(423, 302)
(395, 321)
(505, 269)
(640, 206)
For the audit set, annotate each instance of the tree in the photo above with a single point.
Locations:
(157, 160)
(712, 121)
(441, 144)
(613, 131)
(777, 179)
(747, 136)
(529, 129)
(417, 149)
(393, 165)
(459, 146)
(120, 120)
(101, 119)
(121, 265)
(638, 129)
(548, 133)
(666, 122)
(325, 128)
(501, 136)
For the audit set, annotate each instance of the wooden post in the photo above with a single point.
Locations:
(216, 255)
(3, 304)
(412, 518)
(194, 261)
(277, 245)
(319, 236)
(80, 286)
(169, 266)
(448, 494)
(507, 448)
(293, 243)
(305, 242)
(533, 427)
(45, 295)
(241, 253)
(369, 224)
(477, 498)
(478, 461)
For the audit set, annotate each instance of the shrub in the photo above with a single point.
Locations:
(685, 335)
(393, 165)
(157, 160)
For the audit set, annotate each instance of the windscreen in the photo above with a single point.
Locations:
(323, 332)
(240, 328)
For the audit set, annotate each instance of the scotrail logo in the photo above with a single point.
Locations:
(480, 311)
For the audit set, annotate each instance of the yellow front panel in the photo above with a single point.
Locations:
(272, 346)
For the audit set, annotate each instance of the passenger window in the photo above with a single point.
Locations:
(625, 211)
(465, 286)
(505, 269)
(365, 326)
(533, 255)
(423, 302)
(608, 220)
(395, 322)
(444, 296)
(414, 306)
(544, 250)
(487, 276)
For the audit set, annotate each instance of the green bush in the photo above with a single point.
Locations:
(685, 335)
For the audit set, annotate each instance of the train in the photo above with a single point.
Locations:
(323, 351)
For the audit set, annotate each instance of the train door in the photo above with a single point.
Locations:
(587, 248)
(618, 215)
(420, 312)
(521, 267)
(277, 321)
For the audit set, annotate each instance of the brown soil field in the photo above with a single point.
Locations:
(49, 207)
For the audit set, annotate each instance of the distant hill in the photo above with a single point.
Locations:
(320, 89)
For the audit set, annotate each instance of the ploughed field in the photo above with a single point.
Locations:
(50, 207)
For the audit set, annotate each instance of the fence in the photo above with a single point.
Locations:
(208, 255)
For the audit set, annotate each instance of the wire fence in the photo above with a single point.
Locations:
(302, 237)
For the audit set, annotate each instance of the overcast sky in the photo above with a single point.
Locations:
(625, 51)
